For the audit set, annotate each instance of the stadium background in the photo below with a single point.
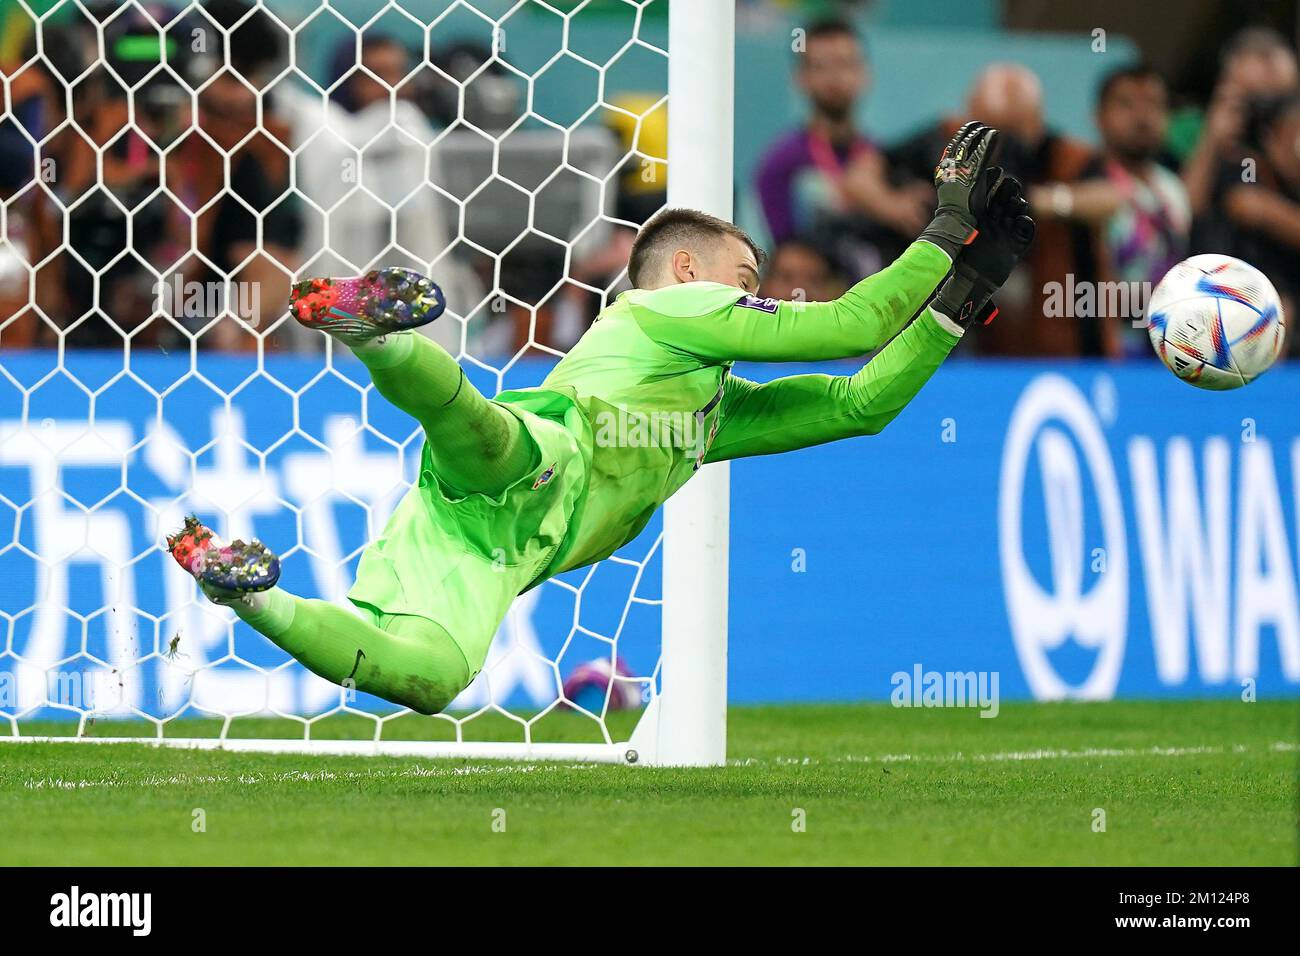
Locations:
(849, 563)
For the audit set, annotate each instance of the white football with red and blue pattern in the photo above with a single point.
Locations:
(1216, 322)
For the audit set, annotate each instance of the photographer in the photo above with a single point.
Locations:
(1257, 218)
(1257, 64)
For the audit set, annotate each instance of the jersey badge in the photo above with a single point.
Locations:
(544, 477)
(762, 305)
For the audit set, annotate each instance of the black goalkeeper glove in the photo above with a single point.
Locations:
(1005, 233)
(962, 186)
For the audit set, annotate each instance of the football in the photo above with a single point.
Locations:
(1216, 321)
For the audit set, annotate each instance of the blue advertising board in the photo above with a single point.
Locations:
(1078, 530)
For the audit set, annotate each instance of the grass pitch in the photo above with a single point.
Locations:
(1179, 783)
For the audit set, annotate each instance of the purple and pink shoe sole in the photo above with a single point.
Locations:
(240, 566)
(368, 306)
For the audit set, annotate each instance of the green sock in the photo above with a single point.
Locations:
(411, 661)
(476, 445)
(386, 351)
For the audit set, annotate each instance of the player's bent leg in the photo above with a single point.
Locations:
(408, 660)
(405, 659)
(476, 445)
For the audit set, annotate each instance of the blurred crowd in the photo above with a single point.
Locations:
(165, 217)
(1161, 185)
(256, 187)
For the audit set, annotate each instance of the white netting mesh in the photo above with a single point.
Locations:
(169, 169)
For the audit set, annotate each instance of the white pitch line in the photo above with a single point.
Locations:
(435, 771)
(285, 776)
(1279, 746)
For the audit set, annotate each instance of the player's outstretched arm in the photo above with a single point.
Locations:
(722, 324)
(733, 327)
(803, 410)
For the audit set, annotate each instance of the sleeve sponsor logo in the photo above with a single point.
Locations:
(762, 305)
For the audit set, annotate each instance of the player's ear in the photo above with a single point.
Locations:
(685, 268)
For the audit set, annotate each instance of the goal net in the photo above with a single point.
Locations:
(169, 170)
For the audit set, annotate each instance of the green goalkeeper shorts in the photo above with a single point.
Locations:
(460, 560)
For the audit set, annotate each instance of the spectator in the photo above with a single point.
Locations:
(116, 161)
(1146, 218)
(1065, 251)
(103, 295)
(385, 64)
(1258, 220)
(828, 175)
(466, 82)
(31, 230)
(259, 178)
(236, 178)
(801, 270)
(1257, 65)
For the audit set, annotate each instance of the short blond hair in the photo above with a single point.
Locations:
(671, 229)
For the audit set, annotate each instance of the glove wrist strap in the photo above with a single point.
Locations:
(950, 232)
(965, 297)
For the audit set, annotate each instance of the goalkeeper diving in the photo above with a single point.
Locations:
(537, 481)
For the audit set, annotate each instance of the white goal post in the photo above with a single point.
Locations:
(692, 718)
(683, 721)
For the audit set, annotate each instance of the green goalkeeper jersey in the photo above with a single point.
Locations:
(652, 381)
